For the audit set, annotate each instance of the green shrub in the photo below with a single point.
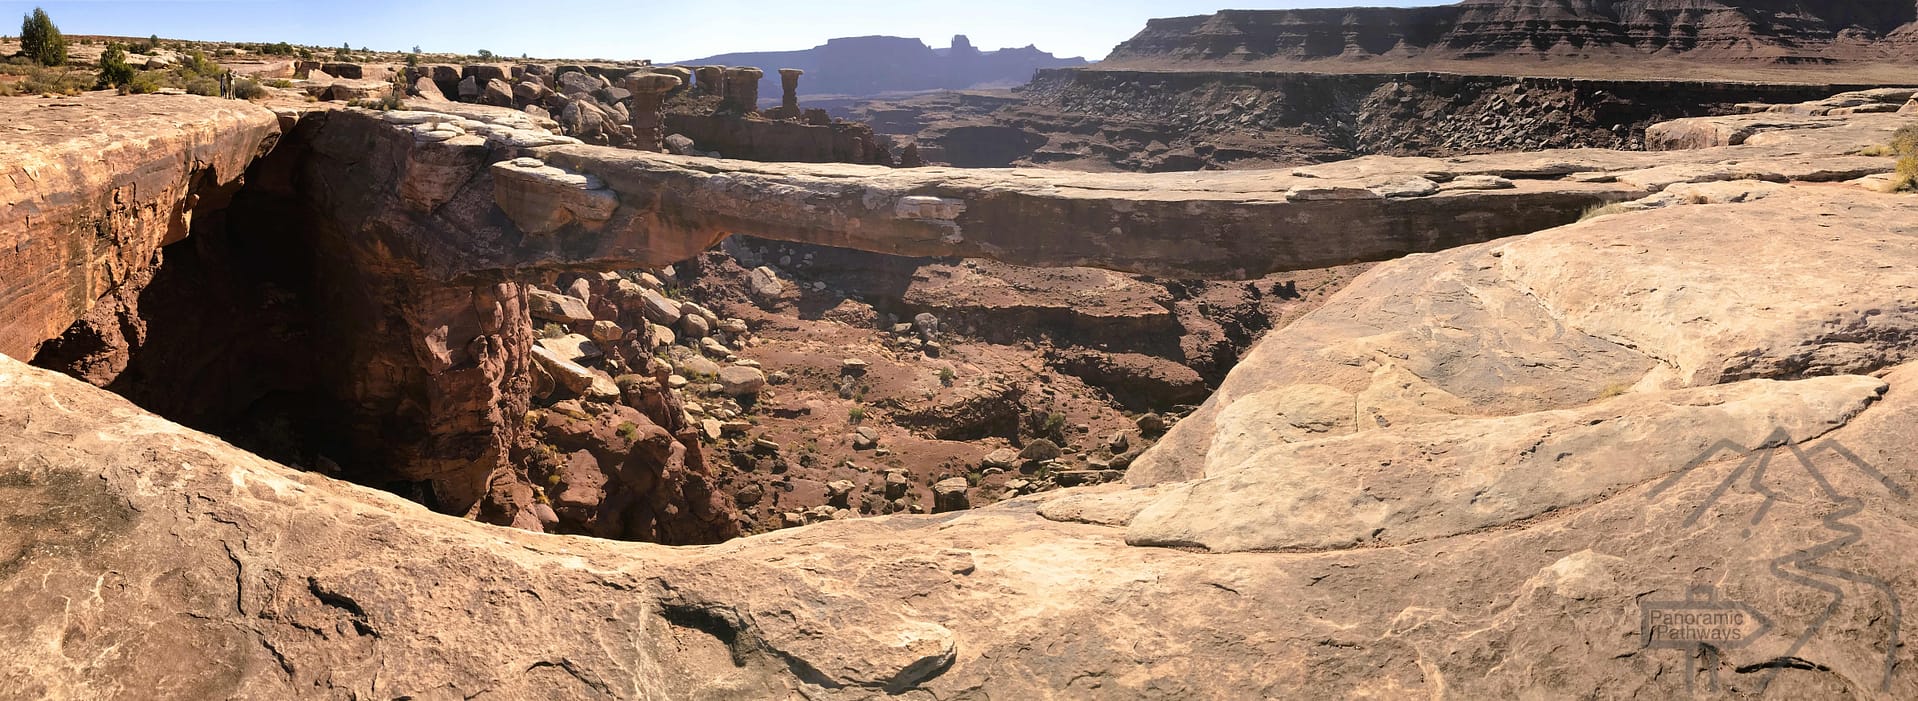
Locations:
(146, 82)
(1055, 423)
(485, 55)
(856, 414)
(281, 83)
(945, 376)
(196, 65)
(208, 87)
(41, 41)
(249, 89)
(114, 70)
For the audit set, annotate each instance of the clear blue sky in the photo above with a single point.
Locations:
(617, 29)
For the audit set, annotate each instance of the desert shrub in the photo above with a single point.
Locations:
(249, 90)
(196, 65)
(485, 55)
(384, 104)
(114, 70)
(281, 83)
(151, 48)
(209, 87)
(146, 82)
(856, 414)
(56, 81)
(1601, 210)
(41, 41)
(1904, 145)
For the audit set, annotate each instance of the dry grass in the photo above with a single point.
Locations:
(1904, 144)
(1603, 210)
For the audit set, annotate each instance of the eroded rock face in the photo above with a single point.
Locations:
(1711, 31)
(92, 209)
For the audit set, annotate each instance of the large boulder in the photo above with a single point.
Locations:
(497, 93)
(739, 380)
(553, 306)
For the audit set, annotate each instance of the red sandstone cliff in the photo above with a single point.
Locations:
(1743, 32)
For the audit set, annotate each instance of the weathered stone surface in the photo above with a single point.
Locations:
(740, 381)
(320, 589)
(553, 306)
(1418, 482)
(96, 185)
(1556, 319)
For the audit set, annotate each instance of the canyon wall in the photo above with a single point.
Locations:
(1215, 118)
(95, 188)
(1712, 31)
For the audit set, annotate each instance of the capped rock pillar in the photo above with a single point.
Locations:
(789, 84)
(649, 92)
(742, 89)
(711, 80)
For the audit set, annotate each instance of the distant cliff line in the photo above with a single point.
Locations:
(875, 65)
(1604, 35)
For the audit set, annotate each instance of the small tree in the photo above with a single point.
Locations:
(485, 55)
(41, 41)
(114, 71)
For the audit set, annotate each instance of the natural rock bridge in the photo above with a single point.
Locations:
(1542, 400)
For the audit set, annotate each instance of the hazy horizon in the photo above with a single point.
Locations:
(650, 30)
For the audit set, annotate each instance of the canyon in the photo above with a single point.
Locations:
(607, 381)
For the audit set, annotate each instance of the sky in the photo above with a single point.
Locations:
(663, 31)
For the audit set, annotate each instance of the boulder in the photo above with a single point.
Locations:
(425, 89)
(658, 308)
(950, 495)
(570, 375)
(681, 145)
(578, 85)
(764, 285)
(1040, 450)
(739, 381)
(553, 306)
(572, 347)
(530, 92)
(497, 93)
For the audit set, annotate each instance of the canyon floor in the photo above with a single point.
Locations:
(1465, 426)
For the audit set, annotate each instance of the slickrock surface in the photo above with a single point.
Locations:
(149, 561)
(95, 186)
